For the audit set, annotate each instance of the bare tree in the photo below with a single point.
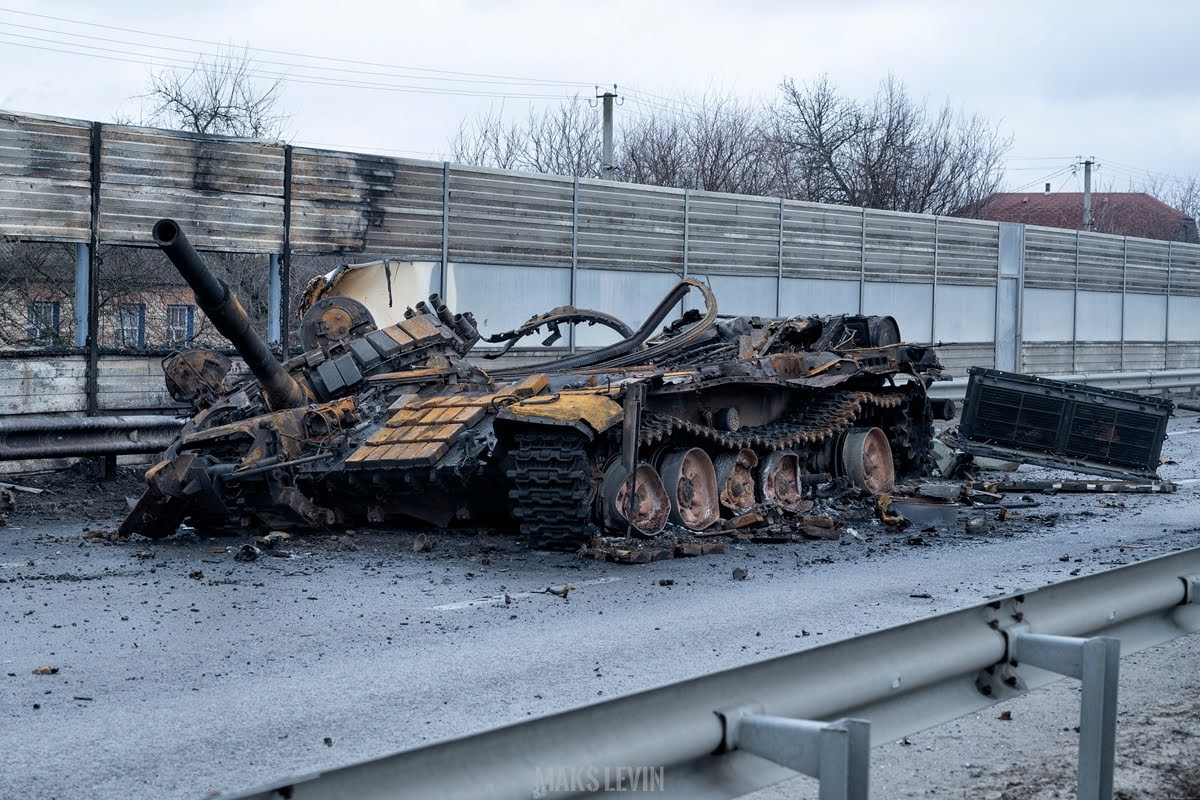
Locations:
(886, 152)
(1182, 193)
(487, 141)
(221, 94)
(656, 152)
(563, 140)
(714, 142)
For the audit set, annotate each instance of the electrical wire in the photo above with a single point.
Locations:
(159, 36)
(1046, 178)
(192, 54)
(170, 62)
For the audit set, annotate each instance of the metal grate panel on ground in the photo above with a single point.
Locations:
(1063, 425)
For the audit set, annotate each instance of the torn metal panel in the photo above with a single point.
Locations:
(385, 287)
(1062, 425)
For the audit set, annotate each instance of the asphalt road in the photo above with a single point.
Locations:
(170, 686)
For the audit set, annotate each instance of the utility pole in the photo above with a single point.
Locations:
(608, 170)
(1087, 193)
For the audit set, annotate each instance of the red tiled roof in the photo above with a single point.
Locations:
(1120, 213)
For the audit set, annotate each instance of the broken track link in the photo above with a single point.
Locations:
(551, 474)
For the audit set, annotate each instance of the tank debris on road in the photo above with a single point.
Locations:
(692, 423)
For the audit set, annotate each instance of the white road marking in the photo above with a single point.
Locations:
(1187, 482)
(1183, 433)
(499, 599)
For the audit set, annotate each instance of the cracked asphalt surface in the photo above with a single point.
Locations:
(182, 671)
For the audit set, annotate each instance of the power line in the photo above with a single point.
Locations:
(194, 54)
(314, 80)
(1069, 168)
(298, 54)
(1041, 158)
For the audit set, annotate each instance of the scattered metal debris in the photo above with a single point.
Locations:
(15, 487)
(247, 552)
(1074, 487)
(558, 591)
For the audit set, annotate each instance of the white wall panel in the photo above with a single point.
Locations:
(965, 314)
(1099, 317)
(630, 296)
(741, 295)
(907, 302)
(1185, 320)
(1145, 318)
(501, 298)
(1046, 315)
(807, 296)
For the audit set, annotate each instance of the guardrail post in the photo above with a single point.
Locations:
(1095, 662)
(838, 754)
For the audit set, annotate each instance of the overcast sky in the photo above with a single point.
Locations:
(1112, 79)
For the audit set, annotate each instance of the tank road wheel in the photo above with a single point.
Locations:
(780, 480)
(691, 484)
(735, 480)
(867, 460)
(650, 506)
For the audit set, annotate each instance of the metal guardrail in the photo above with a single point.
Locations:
(729, 733)
(24, 437)
(1128, 381)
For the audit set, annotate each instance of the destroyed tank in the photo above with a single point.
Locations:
(686, 420)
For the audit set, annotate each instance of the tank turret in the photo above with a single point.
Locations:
(227, 315)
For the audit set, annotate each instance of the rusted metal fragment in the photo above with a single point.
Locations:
(597, 412)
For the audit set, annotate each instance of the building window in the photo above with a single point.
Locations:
(181, 321)
(42, 328)
(131, 325)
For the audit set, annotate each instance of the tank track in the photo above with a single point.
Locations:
(550, 474)
(812, 426)
(912, 438)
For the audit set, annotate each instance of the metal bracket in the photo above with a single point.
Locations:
(1002, 681)
(1191, 589)
(838, 754)
(1095, 662)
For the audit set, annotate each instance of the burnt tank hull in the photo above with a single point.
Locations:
(703, 419)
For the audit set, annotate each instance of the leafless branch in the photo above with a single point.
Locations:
(220, 94)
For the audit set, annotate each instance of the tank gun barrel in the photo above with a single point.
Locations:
(228, 316)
